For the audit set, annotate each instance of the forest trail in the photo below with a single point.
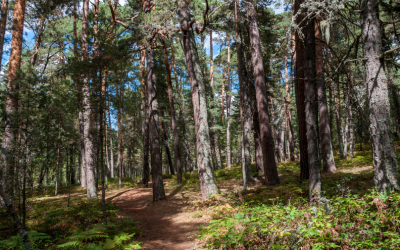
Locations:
(164, 224)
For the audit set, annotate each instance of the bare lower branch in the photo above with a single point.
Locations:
(388, 52)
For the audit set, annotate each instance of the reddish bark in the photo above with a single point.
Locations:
(268, 147)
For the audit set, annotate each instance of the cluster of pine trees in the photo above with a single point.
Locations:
(104, 88)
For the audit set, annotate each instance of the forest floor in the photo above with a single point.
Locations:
(166, 224)
(259, 216)
(173, 223)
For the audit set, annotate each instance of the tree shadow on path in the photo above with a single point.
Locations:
(164, 224)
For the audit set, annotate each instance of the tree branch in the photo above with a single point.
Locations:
(388, 52)
(205, 19)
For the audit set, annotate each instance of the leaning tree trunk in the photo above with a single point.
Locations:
(267, 141)
(154, 137)
(325, 129)
(311, 111)
(300, 98)
(173, 117)
(385, 162)
(11, 104)
(208, 183)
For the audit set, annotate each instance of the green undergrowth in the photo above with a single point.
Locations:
(370, 221)
(350, 215)
(55, 223)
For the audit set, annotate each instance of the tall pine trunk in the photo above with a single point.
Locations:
(145, 121)
(154, 137)
(254, 110)
(385, 162)
(167, 151)
(245, 104)
(120, 142)
(181, 112)
(338, 115)
(228, 109)
(214, 133)
(325, 129)
(111, 143)
(268, 147)
(311, 111)
(87, 110)
(11, 104)
(208, 183)
(172, 115)
(288, 116)
(300, 98)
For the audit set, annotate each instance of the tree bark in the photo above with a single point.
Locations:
(245, 105)
(111, 143)
(120, 150)
(228, 109)
(39, 40)
(395, 97)
(311, 111)
(268, 147)
(384, 157)
(173, 117)
(181, 112)
(171, 166)
(145, 123)
(101, 140)
(325, 129)
(208, 183)
(11, 103)
(300, 98)
(287, 112)
(328, 78)
(3, 25)
(154, 137)
(87, 113)
(348, 134)
(338, 114)
(214, 133)
(58, 160)
(254, 110)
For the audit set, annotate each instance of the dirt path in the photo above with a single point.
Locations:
(164, 224)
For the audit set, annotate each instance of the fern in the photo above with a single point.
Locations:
(15, 242)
